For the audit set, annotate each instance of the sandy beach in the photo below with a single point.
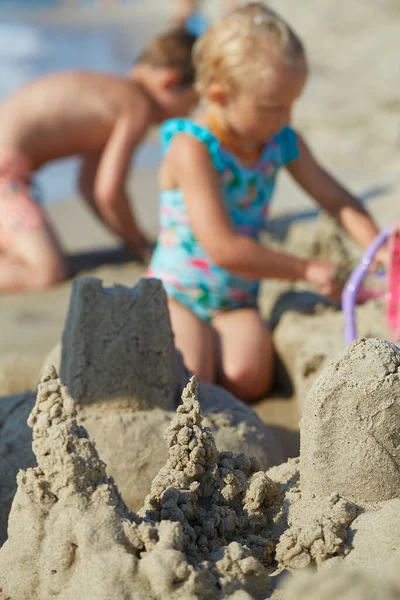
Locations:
(349, 116)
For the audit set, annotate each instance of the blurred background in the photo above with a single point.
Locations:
(349, 112)
(42, 36)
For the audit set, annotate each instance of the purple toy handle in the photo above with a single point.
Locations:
(350, 291)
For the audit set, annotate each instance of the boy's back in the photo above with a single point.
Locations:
(102, 118)
(69, 113)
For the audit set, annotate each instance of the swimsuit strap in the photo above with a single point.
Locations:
(287, 143)
(175, 126)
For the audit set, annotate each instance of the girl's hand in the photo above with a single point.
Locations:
(382, 258)
(323, 275)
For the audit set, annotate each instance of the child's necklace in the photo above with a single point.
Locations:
(232, 145)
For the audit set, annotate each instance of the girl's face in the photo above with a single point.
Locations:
(257, 114)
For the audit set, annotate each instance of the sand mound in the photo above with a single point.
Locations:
(355, 404)
(324, 240)
(338, 584)
(347, 500)
(75, 537)
(233, 498)
(318, 530)
(305, 357)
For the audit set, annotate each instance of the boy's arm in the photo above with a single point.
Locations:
(87, 176)
(334, 198)
(111, 200)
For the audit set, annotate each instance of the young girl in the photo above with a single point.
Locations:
(217, 180)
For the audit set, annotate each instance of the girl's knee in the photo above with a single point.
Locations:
(248, 381)
(203, 369)
(195, 340)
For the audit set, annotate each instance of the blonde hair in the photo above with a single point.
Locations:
(231, 52)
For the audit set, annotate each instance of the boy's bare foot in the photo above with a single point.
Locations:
(142, 251)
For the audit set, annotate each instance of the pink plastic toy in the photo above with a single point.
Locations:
(393, 298)
(388, 286)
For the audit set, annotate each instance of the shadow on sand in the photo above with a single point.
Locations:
(88, 261)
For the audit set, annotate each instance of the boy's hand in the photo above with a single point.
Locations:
(142, 248)
(323, 275)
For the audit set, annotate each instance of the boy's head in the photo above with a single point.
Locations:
(167, 68)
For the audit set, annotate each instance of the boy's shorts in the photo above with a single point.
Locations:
(20, 212)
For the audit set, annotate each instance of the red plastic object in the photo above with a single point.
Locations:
(393, 295)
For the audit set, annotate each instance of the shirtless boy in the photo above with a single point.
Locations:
(101, 117)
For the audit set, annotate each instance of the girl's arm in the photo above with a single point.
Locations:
(191, 170)
(329, 194)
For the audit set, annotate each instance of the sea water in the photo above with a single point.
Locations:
(31, 49)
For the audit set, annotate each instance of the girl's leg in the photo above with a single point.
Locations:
(196, 340)
(246, 363)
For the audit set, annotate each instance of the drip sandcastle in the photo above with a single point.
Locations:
(119, 361)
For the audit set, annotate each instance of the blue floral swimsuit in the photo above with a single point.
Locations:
(187, 273)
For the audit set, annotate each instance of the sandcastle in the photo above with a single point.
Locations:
(349, 484)
(210, 524)
(119, 361)
(205, 530)
(213, 524)
(355, 403)
(118, 347)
